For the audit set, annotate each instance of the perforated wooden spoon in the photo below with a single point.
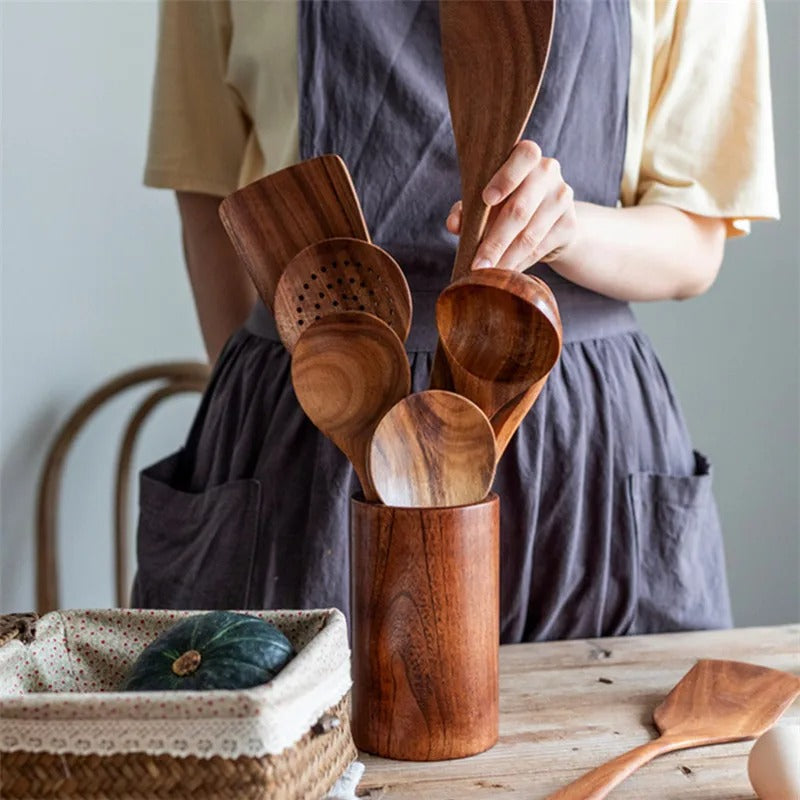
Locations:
(340, 275)
(501, 333)
(272, 219)
(433, 448)
(348, 370)
(715, 702)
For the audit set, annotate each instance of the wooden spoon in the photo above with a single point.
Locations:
(432, 449)
(494, 52)
(272, 219)
(340, 275)
(715, 702)
(501, 333)
(348, 370)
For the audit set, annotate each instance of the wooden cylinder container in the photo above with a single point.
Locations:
(425, 625)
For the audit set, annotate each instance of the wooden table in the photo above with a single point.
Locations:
(566, 707)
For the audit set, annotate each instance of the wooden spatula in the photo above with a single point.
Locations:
(340, 275)
(432, 449)
(348, 370)
(272, 219)
(715, 702)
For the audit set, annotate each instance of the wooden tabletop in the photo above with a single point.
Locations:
(566, 707)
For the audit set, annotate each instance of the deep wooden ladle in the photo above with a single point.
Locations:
(348, 370)
(501, 333)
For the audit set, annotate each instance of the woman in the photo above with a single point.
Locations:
(649, 144)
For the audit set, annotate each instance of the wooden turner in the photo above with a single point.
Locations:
(272, 219)
(340, 275)
(715, 702)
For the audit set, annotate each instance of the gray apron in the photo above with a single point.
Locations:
(608, 521)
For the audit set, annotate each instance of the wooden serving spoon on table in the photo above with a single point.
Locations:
(715, 702)
(432, 449)
(501, 333)
(340, 275)
(495, 53)
(348, 370)
(272, 219)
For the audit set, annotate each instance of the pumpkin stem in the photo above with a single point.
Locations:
(187, 663)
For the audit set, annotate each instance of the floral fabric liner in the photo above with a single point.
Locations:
(58, 693)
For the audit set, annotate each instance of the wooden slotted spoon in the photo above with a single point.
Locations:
(715, 702)
(432, 449)
(340, 275)
(348, 370)
(272, 219)
(501, 333)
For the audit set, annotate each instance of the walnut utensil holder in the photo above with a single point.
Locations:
(425, 627)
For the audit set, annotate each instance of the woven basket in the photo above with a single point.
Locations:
(305, 770)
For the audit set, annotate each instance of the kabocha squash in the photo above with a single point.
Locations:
(217, 650)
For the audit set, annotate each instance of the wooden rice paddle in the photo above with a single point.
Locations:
(715, 702)
(272, 219)
(340, 275)
(494, 53)
(501, 333)
(433, 449)
(348, 370)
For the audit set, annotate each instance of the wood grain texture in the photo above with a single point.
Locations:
(567, 706)
(348, 370)
(340, 275)
(433, 449)
(272, 219)
(501, 333)
(425, 629)
(494, 52)
(716, 701)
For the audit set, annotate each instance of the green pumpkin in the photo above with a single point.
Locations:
(217, 650)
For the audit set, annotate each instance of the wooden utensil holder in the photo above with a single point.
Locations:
(425, 614)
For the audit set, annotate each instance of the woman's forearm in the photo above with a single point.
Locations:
(222, 289)
(647, 252)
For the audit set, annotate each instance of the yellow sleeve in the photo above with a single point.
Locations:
(198, 130)
(707, 145)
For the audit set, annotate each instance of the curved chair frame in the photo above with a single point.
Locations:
(176, 378)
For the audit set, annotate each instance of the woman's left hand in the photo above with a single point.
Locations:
(533, 212)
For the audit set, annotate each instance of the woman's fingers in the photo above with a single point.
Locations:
(512, 218)
(454, 218)
(541, 234)
(522, 161)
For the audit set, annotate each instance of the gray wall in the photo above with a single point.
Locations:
(92, 284)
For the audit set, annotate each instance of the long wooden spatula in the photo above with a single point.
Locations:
(715, 702)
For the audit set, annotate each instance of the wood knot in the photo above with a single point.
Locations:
(187, 663)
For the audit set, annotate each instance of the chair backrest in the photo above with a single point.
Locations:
(172, 378)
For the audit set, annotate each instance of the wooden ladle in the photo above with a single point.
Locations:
(348, 370)
(715, 702)
(501, 333)
(340, 274)
(432, 449)
(272, 219)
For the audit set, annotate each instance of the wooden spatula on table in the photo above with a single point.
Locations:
(494, 53)
(715, 702)
(272, 219)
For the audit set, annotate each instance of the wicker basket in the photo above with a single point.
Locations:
(59, 740)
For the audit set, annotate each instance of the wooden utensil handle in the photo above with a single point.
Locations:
(473, 225)
(597, 784)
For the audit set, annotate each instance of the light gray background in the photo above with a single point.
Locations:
(93, 283)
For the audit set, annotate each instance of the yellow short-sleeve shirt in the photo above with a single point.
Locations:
(225, 103)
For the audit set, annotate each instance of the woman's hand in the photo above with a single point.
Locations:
(533, 212)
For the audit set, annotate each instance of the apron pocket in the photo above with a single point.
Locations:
(681, 582)
(195, 550)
